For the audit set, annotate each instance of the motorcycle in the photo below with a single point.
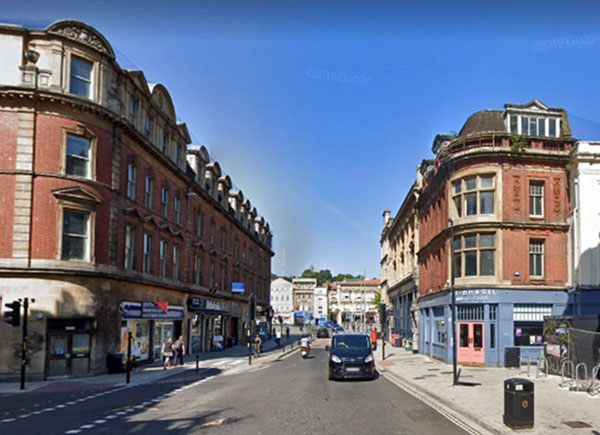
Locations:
(304, 348)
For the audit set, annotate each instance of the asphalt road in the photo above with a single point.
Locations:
(291, 396)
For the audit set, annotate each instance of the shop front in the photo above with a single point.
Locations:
(151, 324)
(488, 321)
(210, 328)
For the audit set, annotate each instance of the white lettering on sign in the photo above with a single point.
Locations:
(475, 295)
(212, 305)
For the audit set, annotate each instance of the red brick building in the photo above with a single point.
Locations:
(111, 221)
(497, 197)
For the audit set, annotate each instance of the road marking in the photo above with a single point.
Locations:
(220, 363)
(87, 426)
(8, 420)
(237, 361)
(99, 421)
(74, 431)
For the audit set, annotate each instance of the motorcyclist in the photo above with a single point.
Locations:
(305, 341)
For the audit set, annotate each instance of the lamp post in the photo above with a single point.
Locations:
(454, 343)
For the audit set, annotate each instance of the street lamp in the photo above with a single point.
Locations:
(454, 344)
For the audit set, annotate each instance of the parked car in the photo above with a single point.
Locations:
(338, 329)
(350, 356)
(323, 333)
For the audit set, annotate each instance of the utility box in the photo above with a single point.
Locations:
(518, 403)
(512, 356)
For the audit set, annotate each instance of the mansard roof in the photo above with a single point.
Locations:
(485, 121)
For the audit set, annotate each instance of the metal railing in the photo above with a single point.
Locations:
(521, 365)
(563, 374)
(579, 382)
(541, 370)
(594, 388)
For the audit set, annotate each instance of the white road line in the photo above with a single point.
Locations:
(110, 417)
(237, 361)
(74, 431)
(8, 420)
(100, 421)
(220, 363)
(86, 426)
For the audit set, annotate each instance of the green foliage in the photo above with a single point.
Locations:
(517, 143)
(346, 277)
(377, 299)
(322, 276)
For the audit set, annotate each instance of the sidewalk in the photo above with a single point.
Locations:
(228, 358)
(480, 408)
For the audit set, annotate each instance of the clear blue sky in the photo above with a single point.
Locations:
(321, 111)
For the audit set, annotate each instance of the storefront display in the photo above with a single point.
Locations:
(151, 324)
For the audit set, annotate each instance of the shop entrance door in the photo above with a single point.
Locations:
(68, 354)
(470, 343)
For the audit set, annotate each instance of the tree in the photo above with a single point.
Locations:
(377, 300)
(322, 276)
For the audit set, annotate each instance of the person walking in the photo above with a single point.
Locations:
(167, 353)
(374, 338)
(179, 350)
(287, 332)
(257, 343)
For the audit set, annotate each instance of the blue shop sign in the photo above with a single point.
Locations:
(151, 310)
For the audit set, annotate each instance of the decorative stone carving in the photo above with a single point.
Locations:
(556, 195)
(517, 193)
(83, 34)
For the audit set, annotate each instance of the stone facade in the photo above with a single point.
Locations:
(110, 215)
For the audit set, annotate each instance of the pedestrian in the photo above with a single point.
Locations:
(287, 332)
(179, 350)
(374, 338)
(257, 343)
(167, 353)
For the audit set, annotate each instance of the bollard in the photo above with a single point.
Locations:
(197, 362)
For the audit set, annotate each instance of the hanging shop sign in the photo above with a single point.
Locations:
(151, 310)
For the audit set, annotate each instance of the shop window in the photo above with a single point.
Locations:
(536, 199)
(492, 336)
(493, 312)
(130, 247)
(531, 312)
(75, 235)
(474, 195)
(470, 312)
(81, 77)
(528, 333)
(474, 254)
(440, 332)
(78, 156)
(536, 258)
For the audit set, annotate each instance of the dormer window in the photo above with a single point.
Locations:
(81, 77)
(532, 125)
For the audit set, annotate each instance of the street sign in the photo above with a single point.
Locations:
(238, 287)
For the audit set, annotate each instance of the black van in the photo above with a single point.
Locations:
(350, 356)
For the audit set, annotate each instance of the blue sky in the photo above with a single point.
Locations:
(321, 111)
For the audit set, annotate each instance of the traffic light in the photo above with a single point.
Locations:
(382, 313)
(252, 307)
(13, 317)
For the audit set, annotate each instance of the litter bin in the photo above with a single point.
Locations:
(114, 362)
(518, 403)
